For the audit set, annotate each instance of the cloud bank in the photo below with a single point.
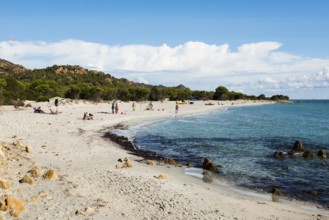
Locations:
(260, 67)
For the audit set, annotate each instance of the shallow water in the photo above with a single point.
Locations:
(242, 140)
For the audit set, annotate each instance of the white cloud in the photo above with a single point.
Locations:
(252, 67)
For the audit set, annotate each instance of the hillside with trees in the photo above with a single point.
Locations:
(75, 82)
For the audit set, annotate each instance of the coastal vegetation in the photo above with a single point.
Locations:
(18, 83)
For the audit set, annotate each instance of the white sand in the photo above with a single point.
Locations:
(86, 166)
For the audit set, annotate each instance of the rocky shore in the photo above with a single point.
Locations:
(60, 167)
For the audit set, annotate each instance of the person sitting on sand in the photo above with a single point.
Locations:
(88, 116)
(150, 106)
(38, 110)
(53, 111)
(91, 116)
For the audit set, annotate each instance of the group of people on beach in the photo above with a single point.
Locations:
(52, 111)
(115, 108)
(90, 116)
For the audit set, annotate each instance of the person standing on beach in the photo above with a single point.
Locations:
(133, 106)
(176, 109)
(116, 108)
(112, 107)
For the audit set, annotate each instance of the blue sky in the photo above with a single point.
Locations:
(255, 46)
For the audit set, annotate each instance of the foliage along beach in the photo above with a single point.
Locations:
(58, 166)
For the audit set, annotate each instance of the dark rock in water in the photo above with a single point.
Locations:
(122, 141)
(308, 154)
(208, 165)
(279, 155)
(298, 146)
(291, 153)
(276, 191)
(313, 193)
(322, 154)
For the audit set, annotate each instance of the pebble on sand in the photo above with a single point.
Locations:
(161, 177)
(151, 163)
(4, 184)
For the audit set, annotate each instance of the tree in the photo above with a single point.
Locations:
(155, 94)
(141, 94)
(221, 93)
(73, 92)
(123, 94)
(261, 97)
(13, 90)
(3, 84)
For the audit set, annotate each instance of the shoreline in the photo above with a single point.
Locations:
(89, 177)
(127, 143)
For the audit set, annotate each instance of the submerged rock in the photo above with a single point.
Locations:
(279, 155)
(298, 146)
(308, 154)
(322, 154)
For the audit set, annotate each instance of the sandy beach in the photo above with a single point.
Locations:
(89, 181)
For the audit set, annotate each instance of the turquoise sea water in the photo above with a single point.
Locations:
(242, 140)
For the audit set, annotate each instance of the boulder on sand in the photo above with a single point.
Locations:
(50, 174)
(26, 179)
(4, 184)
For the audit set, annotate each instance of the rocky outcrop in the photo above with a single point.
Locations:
(298, 146)
(308, 154)
(70, 70)
(322, 154)
(10, 67)
(208, 165)
(279, 155)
